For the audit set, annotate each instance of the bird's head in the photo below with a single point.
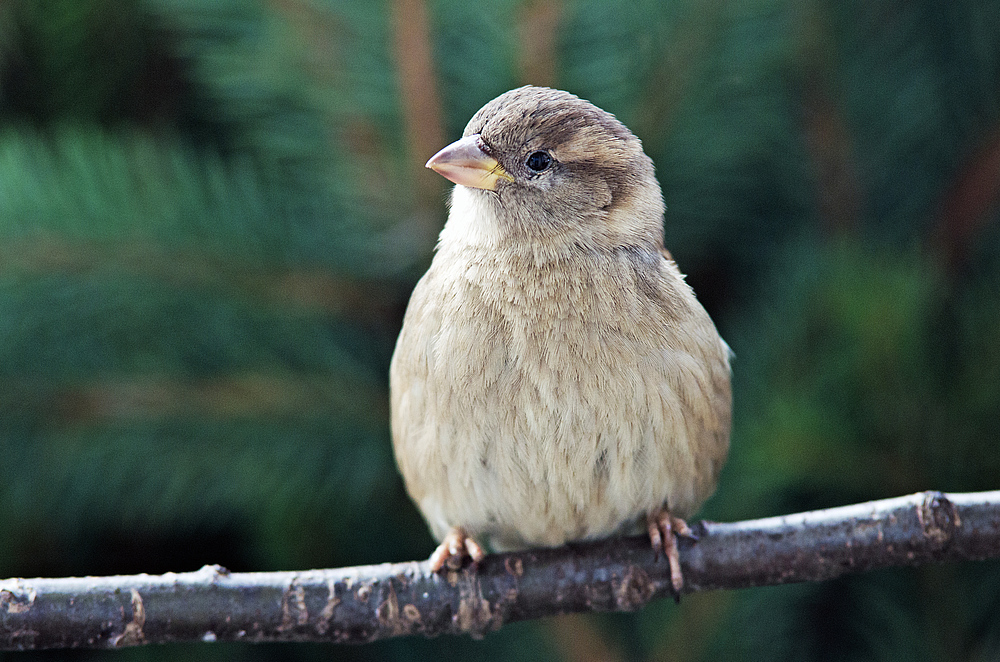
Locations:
(544, 165)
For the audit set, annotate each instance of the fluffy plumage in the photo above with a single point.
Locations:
(555, 378)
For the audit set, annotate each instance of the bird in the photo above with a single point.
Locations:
(555, 379)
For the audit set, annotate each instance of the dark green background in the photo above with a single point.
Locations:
(212, 213)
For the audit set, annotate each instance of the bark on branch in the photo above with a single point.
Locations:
(363, 604)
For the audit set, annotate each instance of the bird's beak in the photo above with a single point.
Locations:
(464, 162)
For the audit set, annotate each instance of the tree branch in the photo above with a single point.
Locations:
(363, 604)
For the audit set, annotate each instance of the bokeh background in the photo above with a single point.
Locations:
(212, 214)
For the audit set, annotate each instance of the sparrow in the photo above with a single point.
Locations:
(555, 378)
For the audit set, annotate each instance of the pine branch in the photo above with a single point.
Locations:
(361, 604)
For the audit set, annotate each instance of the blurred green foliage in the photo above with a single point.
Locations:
(212, 212)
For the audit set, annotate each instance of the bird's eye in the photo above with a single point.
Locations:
(539, 161)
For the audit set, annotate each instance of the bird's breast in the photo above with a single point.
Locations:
(547, 402)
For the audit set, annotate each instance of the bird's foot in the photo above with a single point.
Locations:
(663, 531)
(454, 549)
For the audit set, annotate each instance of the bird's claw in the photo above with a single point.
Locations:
(663, 531)
(454, 549)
